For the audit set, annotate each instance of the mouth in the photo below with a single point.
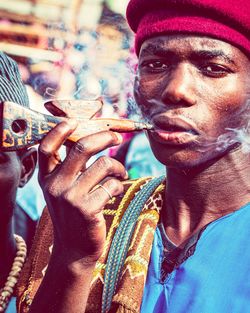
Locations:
(174, 130)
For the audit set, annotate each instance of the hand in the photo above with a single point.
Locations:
(74, 204)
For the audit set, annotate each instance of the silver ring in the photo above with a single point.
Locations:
(106, 189)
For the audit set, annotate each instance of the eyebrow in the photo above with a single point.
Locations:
(156, 50)
(160, 51)
(211, 54)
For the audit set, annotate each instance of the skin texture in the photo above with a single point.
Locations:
(206, 83)
(208, 94)
(177, 78)
(15, 171)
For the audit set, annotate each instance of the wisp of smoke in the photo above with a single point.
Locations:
(231, 136)
(235, 135)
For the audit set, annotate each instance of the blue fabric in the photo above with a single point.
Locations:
(30, 198)
(140, 160)
(11, 308)
(216, 278)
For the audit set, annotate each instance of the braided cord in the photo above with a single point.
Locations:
(121, 241)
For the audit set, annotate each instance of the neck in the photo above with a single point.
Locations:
(198, 196)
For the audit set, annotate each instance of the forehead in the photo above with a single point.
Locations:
(184, 44)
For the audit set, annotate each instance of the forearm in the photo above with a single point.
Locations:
(65, 288)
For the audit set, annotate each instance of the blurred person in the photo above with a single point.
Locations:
(16, 168)
(104, 62)
(35, 99)
(179, 244)
(30, 198)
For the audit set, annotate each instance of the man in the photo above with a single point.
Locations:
(15, 170)
(193, 86)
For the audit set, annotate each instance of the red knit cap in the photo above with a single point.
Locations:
(227, 20)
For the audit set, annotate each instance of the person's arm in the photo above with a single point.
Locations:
(75, 204)
(65, 287)
(15, 171)
(7, 249)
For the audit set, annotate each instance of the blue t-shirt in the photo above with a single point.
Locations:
(214, 279)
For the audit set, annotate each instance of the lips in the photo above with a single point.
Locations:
(174, 123)
(175, 130)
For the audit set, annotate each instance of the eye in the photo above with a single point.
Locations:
(153, 66)
(215, 70)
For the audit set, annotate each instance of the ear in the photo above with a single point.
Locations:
(28, 162)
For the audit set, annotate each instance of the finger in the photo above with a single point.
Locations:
(92, 203)
(86, 147)
(101, 195)
(48, 149)
(103, 168)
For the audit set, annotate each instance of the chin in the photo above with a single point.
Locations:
(185, 158)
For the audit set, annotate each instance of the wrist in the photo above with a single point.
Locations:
(81, 268)
(72, 266)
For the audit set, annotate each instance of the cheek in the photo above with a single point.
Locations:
(223, 108)
(145, 86)
(231, 97)
(238, 90)
(146, 91)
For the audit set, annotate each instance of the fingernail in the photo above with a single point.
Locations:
(119, 137)
(126, 175)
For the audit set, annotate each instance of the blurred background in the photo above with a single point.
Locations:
(76, 49)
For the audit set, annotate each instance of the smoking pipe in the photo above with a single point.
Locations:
(22, 127)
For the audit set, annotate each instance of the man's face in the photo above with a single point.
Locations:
(192, 89)
(10, 173)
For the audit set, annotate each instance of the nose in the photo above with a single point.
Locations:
(180, 86)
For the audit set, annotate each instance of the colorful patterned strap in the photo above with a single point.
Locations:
(121, 241)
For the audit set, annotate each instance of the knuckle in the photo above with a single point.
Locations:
(115, 186)
(121, 170)
(45, 149)
(79, 147)
(106, 163)
(83, 146)
(113, 137)
(51, 190)
(68, 197)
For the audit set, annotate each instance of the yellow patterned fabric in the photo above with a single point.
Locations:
(129, 293)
